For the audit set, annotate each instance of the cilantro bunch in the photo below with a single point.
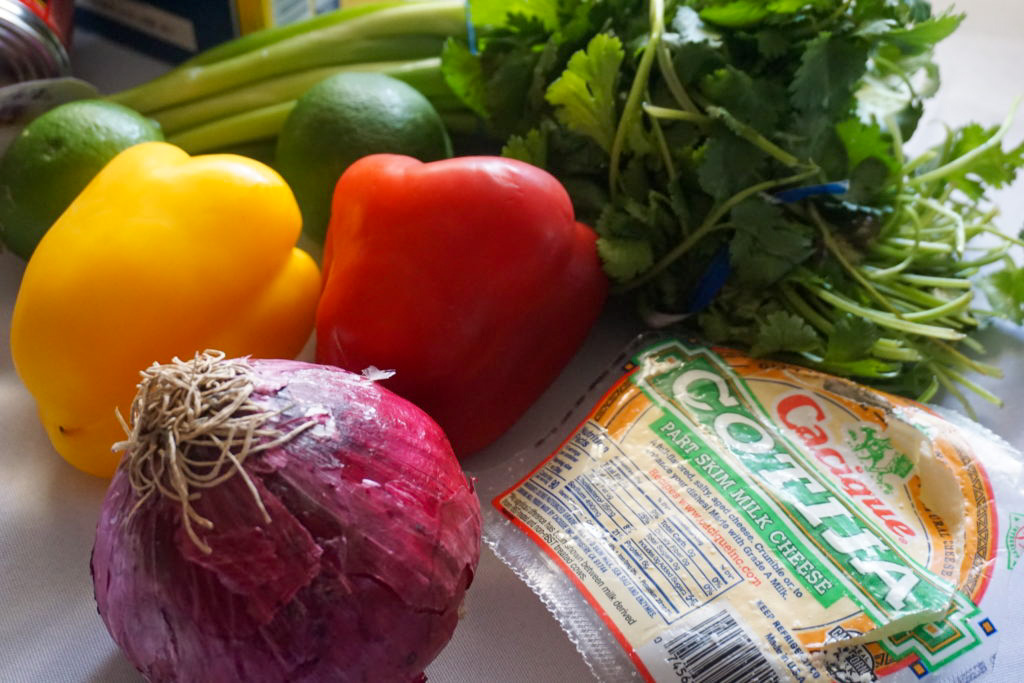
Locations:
(744, 166)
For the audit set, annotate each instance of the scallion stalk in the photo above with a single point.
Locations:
(257, 124)
(422, 74)
(265, 123)
(406, 31)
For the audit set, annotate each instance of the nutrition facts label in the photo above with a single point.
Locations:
(622, 522)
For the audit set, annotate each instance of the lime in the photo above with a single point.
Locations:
(342, 119)
(54, 158)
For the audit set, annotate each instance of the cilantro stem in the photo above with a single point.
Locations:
(996, 231)
(709, 225)
(991, 257)
(958, 222)
(952, 306)
(904, 210)
(882, 318)
(976, 388)
(966, 159)
(806, 310)
(922, 245)
(755, 138)
(929, 391)
(951, 387)
(912, 294)
(889, 344)
(893, 127)
(636, 91)
(657, 112)
(920, 160)
(887, 348)
(896, 353)
(886, 273)
(833, 247)
(675, 86)
(973, 344)
(934, 281)
(666, 153)
(982, 368)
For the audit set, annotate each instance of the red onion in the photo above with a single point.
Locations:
(281, 521)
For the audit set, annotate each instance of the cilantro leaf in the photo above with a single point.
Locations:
(867, 180)
(464, 74)
(784, 331)
(895, 86)
(755, 102)
(866, 140)
(584, 95)
(995, 167)
(744, 13)
(496, 12)
(765, 247)
(729, 164)
(624, 258)
(511, 70)
(716, 328)
(829, 68)
(773, 43)
(1004, 290)
(818, 140)
(751, 91)
(531, 148)
(851, 339)
(793, 6)
(692, 61)
(735, 14)
(924, 35)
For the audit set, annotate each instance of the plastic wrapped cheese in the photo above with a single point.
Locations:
(704, 516)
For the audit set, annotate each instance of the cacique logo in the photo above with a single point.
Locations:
(889, 581)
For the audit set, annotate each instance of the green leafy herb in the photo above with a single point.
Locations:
(584, 96)
(677, 125)
(851, 340)
(1005, 292)
(784, 331)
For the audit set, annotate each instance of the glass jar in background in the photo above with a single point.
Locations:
(34, 37)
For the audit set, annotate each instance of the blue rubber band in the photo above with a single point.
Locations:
(470, 32)
(720, 268)
(712, 281)
(800, 193)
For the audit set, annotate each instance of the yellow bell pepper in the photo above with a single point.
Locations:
(161, 255)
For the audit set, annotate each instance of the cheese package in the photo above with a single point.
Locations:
(706, 517)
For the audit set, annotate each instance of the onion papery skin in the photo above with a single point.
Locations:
(373, 540)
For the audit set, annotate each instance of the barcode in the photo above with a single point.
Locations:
(718, 651)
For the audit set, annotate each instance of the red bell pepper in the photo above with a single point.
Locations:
(469, 277)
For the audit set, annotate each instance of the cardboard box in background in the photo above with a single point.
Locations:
(175, 30)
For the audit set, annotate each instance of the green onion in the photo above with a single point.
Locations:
(412, 30)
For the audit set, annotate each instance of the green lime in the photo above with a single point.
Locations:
(54, 158)
(342, 119)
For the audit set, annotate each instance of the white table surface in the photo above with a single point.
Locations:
(49, 629)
